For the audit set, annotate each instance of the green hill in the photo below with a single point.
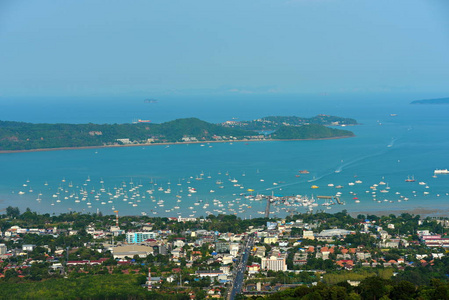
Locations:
(28, 136)
(313, 131)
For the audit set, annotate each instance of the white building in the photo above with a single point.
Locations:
(274, 263)
(139, 237)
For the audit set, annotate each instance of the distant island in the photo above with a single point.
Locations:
(432, 101)
(21, 136)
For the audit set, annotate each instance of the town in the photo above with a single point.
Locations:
(220, 257)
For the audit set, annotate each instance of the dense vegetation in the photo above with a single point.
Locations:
(27, 136)
(313, 131)
(432, 101)
(79, 286)
(369, 288)
(276, 122)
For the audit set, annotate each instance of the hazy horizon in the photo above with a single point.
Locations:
(156, 48)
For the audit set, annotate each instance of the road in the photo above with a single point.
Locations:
(239, 271)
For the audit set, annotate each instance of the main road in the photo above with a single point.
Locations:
(239, 270)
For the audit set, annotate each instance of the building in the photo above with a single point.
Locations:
(308, 234)
(435, 241)
(270, 240)
(124, 251)
(329, 234)
(209, 273)
(3, 249)
(222, 247)
(139, 237)
(28, 247)
(274, 263)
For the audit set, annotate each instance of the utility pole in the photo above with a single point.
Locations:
(67, 260)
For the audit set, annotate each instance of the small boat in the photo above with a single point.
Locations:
(410, 179)
(441, 171)
(304, 172)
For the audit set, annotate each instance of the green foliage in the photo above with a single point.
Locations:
(26, 136)
(12, 212)
(359, 275)
(313, 131)
(83, 287)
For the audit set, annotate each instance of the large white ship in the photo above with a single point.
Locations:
(441, 171)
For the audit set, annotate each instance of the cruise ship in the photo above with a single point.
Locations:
(441, 171)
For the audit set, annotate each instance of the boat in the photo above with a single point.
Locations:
(314, 187)
(304, 172)
(410, 179)
(441, 171)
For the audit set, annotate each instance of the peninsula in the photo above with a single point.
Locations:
(275, 122)
(21, 136)
(432, 101)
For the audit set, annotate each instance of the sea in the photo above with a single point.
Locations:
(394, 141)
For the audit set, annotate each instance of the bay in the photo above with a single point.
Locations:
(394, 141)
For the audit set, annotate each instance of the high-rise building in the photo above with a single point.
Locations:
(3, 249)
(274, 263)
(139, 237)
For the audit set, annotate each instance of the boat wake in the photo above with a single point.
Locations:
(354, 161)
(391, 144)
(340, 168)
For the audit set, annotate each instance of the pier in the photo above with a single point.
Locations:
(331, 198)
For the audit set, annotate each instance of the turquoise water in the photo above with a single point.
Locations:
(386, 148)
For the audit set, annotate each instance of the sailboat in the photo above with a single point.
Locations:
(410, 179)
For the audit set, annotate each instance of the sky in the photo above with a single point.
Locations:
(151, 48)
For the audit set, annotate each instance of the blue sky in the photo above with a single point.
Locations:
(170, 47)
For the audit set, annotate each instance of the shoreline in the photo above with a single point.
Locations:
(165, 144)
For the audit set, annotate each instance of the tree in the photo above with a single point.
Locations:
(374, 287)
(12, 212)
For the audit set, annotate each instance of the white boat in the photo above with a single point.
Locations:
(441, 171)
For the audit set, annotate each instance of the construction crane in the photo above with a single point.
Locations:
(116, 218)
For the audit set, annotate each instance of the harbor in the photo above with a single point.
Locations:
(377, 170)
(247, 194)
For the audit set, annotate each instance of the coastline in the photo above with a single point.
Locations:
(165, 144)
